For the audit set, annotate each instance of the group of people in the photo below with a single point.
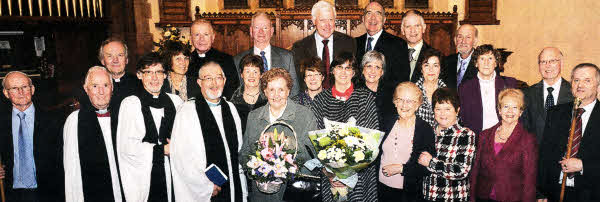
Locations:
(455, 129)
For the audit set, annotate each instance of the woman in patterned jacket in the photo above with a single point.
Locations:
(455, 149)
(429, 82)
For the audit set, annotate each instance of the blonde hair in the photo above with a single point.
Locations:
(514, 93)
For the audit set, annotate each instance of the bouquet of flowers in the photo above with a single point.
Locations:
(273, 161)
(344, 149)
(171, 35)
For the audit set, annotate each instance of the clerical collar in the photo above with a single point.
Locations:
(202, 55)
(102, 111)
(213, 104)
(118, 80)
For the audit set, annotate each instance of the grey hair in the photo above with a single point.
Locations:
(96, 69)
(372, 56)
(319, 6)
(583, 65)
(413, 12)
(209, 63)
(14, 72)
(259, 14)
(110, 40)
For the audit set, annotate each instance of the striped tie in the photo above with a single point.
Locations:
(576, 137)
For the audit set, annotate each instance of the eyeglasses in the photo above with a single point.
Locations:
(553, 61)
(313, 75)
(407, 101)
(369, 13)
(17, 89)
(148, 73)
(211, 79)
(342, 68)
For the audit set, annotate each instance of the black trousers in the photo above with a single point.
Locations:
(391, 194)
(24, 195)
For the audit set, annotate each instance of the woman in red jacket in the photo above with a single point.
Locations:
(505, 165)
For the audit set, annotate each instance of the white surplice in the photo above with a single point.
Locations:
(188, 154)
(135, 156)
(73, 181)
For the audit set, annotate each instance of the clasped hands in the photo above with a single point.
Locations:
(425, 158)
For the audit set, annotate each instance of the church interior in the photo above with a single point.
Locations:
(56, 41)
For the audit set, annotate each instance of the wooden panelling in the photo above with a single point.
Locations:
(232, 29)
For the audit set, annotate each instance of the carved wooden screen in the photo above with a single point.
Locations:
(270, 3)
(174, 11)
(385, 3)
(291, 25)
(480, 12)
(235, 4)
(304, 3)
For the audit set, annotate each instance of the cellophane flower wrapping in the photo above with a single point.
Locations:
(344, 149)
(273, 159)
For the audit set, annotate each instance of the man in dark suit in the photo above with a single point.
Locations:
(202, 34)
(113, 55)
(551, 90)
(459, 67)
(261, 31)
(324, 43)
(30, 145)
(397, 68)
(581, 167)
(413, 27)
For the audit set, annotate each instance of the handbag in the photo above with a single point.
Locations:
(304, 187)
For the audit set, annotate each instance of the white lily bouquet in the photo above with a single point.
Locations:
(344, 149)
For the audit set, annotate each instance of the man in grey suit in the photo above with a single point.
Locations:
(261, 31)
(325, 43)
(551, 90)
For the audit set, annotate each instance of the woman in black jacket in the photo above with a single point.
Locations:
(406, 136)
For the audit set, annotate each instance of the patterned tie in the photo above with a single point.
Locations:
(461, 73)
(576, 137)
(26, 170)
(410, 54)
(549, 99)
(265, 62)
(369, 47)
(326, 62)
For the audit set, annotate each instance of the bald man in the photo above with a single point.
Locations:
(261, 31)
(551, 90)
(91, 171)
(459, 67)
(203, 36)
(30, 145)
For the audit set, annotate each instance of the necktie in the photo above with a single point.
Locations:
(369, 47)
(576, 136)
(326, 62)
(461, 72)
(549, 99)
(410, 54)
(265, 62)
(26, 171)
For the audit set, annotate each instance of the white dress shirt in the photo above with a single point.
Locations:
(488, 101)
(319, 43)
(375, 38)
(415, 56)
(72, 166)
(556, 87)
(267, 51)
